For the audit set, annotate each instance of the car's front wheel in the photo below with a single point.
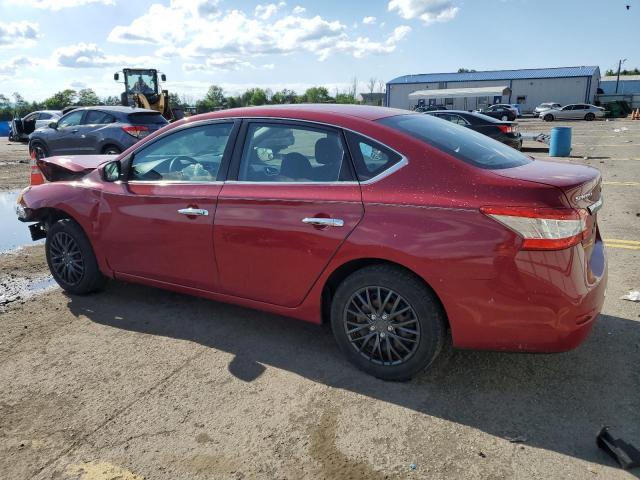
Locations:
(111, 150)
(387, 322)
(548, 118)
(589, 117)
(71, 259)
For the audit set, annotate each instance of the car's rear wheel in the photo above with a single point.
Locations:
(40, 150)
(387, 322)
(111, 150)
(589, 117)
(548, 118)
(71, 259)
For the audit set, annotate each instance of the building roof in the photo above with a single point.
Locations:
(559, 72)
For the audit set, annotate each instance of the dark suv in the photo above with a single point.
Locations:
(95, 130)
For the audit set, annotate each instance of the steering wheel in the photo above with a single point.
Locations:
(176, 163)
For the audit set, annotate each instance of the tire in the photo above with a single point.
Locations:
(589, 117)
(66, 242)
(111, 150)
(40, 148)
(417, 310)
(548, 118)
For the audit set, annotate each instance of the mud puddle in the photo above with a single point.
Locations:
(19, 289)
(13, 232)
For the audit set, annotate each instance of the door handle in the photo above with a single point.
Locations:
(324, 222)
(74, 131)
(193, 211)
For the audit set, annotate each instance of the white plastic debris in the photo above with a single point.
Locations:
(617, 130)
(632, 296)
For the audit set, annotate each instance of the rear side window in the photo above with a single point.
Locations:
(370, 158)
(465, 144)
(44, 116)
(95, 117)
(147, 119)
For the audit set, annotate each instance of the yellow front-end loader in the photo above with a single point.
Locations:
(142, 90)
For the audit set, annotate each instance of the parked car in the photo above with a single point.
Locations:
(21, 128)
(577, 111)
(500, 111)
(397, 228)
(545, 106)
(429, 108)
(504, 132)
(94, 130)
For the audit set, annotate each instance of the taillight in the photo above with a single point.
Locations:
(506, 128)
(138, 131)
(542, 228)
(36, 177)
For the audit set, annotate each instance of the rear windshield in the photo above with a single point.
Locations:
(460, 142)
(147, 119)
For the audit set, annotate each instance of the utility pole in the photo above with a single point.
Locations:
(620, 62)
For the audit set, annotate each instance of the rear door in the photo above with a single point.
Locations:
(66, 139)
(91, 131)
(158, 224)
(291, 202)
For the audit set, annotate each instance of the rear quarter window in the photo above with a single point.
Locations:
(471, 147)
(370, 158)
(147, 119)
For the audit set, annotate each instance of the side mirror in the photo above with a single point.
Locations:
(163, 77)
(53, 125)
(112, 171)
(116, 76)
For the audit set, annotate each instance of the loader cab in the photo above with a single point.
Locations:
(139, 81)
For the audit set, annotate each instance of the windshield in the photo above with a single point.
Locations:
(141, 83)
(460, 142)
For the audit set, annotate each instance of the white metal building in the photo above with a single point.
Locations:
(465, 91)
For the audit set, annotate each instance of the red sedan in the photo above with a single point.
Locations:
(402, 230)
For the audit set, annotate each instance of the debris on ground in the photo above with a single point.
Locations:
(624, 453)
(413, 466)
(633, 296)
(517, 439)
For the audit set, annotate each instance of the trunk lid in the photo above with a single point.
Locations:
(580, 184)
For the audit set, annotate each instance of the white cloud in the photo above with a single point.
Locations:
(18, 34)
(241, 36)
(59, 4)
(298, 10)
(9, 68)
(429, 11)
(369, 20)
(217, 63)
(88, 55)
(267, 11)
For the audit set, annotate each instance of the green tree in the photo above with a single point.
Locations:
(111, 100)
(465, 70)
(87, 98)
(284, 96)
(345, 98)
(257, 96)
(316, 95)
(61, 99)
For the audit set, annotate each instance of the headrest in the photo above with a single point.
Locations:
(328, 151)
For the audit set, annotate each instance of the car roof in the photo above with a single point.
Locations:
(116, 108)
(308, 111)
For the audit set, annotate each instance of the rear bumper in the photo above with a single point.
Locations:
(538, 302)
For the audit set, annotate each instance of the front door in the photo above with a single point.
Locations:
(294, 203)
(158, 224)
(65, 140)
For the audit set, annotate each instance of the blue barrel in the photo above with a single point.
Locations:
(560, 145)
(4, 129)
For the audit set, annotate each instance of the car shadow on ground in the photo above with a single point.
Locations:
(556, 402)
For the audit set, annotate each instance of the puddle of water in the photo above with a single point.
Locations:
(16, 289)
(13, 232)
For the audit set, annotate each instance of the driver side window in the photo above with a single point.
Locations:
(71, 120)
(190, 155)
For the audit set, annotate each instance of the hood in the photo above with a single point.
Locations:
(70, 167)
(580, 184)
(78, 163)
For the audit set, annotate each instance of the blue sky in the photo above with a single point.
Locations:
(48, 45)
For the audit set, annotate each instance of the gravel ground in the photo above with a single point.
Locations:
(137, 383)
